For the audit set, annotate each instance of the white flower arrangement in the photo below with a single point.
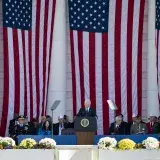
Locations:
(151, 143)
(7, 141)
(107, 143)
(47, 143)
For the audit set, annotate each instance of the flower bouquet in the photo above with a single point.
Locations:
(107, 143)
(47, 143)
(150, 143)
(27, 143)
(126, 144)
(7, 143)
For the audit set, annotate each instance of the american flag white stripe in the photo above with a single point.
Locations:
(11, 76)
(86, 64)
(21, 112)
(41, 39)
(111, 77)
(34, 8)
(124, 58)
(27, 73)
(98, 58)
(78, 94)
(135, 57)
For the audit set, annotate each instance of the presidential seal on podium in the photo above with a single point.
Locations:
(84, 122)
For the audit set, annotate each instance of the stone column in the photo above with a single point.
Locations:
(57, 83)
(152, 90)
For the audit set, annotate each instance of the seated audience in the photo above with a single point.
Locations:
(138, 127)
(58, 127)
(12, 123)
(153, 126)
(26, 122)
(133, 121)
(66, 122)
(20, 128)
(34, 127)
(46, 128)
(119, 127)
(43, 119)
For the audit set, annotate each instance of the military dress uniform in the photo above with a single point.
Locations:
(20, 129)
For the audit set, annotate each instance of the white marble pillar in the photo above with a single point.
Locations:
(57, 83)
(152, 90)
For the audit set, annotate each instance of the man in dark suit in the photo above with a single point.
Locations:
(58, 127)
(153, 126)
(119, 127)
(62, 125)
(12, 124)
(88, 111)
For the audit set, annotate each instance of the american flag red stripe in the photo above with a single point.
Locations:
(110, 64)
(37, 50)
(117, 53)
(16, 71)
(27, 65)
(129, 57)
(139, 61)
(104, 69)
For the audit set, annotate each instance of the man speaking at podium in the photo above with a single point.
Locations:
(86, 124)
(88, 111)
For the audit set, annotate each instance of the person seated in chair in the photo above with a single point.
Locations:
(58, 127)
(119, 127)
(34, 127)
(67, 123)
(138, 127)
(46, 129)
(21, 128)
(153, 126)
(12, 124)
(43, 119)
(87, 111)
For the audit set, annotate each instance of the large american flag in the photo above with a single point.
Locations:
(27, 35)
(106, 54)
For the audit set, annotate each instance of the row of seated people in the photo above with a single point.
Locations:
(137, 126)
(21, 126)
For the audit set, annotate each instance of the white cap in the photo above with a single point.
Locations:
(134, 115)
(60, 117)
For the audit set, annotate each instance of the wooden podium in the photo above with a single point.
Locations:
(85, 128)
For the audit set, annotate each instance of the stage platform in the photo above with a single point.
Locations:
(72, 139)
(79, 153)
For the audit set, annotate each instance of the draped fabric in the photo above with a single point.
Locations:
(106, 54)
(27, 35)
